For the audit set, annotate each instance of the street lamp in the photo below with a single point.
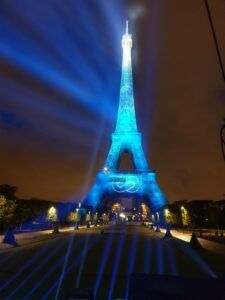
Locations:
(105, 170)
(53, 217)
(77, 219)
(167, 215)
(184, 216)
(52, 214)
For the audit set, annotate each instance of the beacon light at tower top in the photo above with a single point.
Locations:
(126, 45)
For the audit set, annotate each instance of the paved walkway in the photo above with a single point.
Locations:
(206, 244)
(30, 237)
(26, 238)
(102, 261)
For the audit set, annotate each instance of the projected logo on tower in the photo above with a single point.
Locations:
(129, 184)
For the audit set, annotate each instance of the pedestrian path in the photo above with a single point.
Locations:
(206, 244)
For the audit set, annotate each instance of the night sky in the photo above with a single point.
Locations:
(60, 64)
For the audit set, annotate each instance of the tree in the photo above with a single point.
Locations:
(8, 191)
(52, 214)
(7, 212)
(73, 216)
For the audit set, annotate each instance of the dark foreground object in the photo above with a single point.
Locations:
(55, 229)
(160, 287)
(194, 242)
(168, 233)
(79, 294)
(9, 238)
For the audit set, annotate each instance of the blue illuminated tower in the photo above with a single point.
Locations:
(111, 181)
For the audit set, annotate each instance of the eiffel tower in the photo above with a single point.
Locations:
(112, 181)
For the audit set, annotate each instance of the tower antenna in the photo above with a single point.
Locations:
(126, 26)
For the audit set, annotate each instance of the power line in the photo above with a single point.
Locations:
(215, 38)
(222, 140)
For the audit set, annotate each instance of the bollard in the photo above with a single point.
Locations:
(168, 233)
(55, 229)
(9, 238)
(151, 227)
(157, 228)
(194, 242)
(76, 227)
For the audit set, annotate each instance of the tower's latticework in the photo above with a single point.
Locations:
(111, 181)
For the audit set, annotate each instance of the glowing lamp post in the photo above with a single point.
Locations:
(88, 219)
(167, 214)
(95, 219)
(184, 216)
(122, 216)
(77, 218)
(52, 214)
(53, 217)
(157, 223)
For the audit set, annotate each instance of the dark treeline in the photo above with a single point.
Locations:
(41, 214)
(196, 214)
(28, 213)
